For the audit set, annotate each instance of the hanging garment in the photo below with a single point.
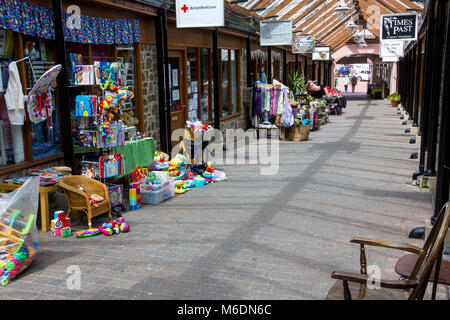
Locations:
(9, 148)
(267, 99)
(274, 93)
(14, 97)
(288, 116)
(258, 101)
(280, 110)
(263, 99)
(253, 103)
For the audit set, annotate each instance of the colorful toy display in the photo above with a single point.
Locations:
(114, 227)
(17, 224)
(133, 200)
(60, 225)
(209, 171)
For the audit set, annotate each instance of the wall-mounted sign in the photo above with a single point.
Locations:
(321, 54)
(399, 26)
(200, 13)
(391, 48)
(303, 44)
(276, 33)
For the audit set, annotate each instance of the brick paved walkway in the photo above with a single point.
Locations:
(255, 237)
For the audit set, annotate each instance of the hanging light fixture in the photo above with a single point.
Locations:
(342, 9)
(351, 26)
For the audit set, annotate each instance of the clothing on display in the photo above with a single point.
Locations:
(14, 96)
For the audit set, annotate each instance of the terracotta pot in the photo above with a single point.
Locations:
(395, 103)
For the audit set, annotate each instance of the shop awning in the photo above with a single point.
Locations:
(34, 20)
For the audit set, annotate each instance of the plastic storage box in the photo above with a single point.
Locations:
(156, 197)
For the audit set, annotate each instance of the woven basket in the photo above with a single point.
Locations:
(299, 133)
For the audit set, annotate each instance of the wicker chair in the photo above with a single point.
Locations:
(79, 200)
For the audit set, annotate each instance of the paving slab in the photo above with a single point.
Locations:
(254, 236)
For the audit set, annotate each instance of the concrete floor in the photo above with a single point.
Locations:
(255, 237)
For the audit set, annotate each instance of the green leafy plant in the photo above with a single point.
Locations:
(394, 97)
(296, 83)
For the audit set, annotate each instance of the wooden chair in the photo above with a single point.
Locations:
(354, 286)
(79, 200)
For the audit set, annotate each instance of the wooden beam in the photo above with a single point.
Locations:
(261, 4)
(295, 9)
(307, 11)
(389, 6)
(316, 16)
(279, 7)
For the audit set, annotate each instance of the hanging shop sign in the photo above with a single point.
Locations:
(392, 48)
(321, 54)
(303, 44)
(200, 13)
(390, 59)
(276, 33)
(399, 26)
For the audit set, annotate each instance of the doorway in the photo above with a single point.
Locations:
(177, 85)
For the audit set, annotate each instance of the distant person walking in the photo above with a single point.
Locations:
(346, 82)
(354, 82)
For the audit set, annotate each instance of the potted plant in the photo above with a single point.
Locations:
(394, 98)
(297, 84)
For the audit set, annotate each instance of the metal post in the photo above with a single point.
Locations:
(269, 64)
(426, 88)
(305, 68)
(63, 85)
(284, 67)
(443, 166)
(296, 62)
(167, 77)
(161, 84)
(319, 74)
(417, 85)
(313, 70)
(435, 90)
(249, 63)
(217, 83)
(408, 83)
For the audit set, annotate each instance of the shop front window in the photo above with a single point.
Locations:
(234, 78)
(206, 83)
(225, 82)
(192, 84)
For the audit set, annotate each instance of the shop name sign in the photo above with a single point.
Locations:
(303, 44)
(399, 26)
(276, 33)
(200, 13)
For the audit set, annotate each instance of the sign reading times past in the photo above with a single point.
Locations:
(321, 54)
(399, 26)
(276, 33)
(200, 13)
(303, 44)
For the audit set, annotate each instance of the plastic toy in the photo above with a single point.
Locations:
(209, 171)
(60, 225)
(124, 227)
(113, 80)
(179, 187)
(200, 181)
(87, 233)
(133, 200)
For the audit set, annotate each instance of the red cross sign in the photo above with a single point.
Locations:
(184, 8)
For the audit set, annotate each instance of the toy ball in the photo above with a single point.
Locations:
(116, 230)
(107, 232)
(120, 220)
(125, 227)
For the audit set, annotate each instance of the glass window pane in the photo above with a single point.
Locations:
(174, 84)
(204, 84)
(192, 84)
(234, 76)
(225, 81)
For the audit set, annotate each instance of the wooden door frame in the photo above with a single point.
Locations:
(181, 52)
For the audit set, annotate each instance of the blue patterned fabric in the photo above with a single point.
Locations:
(28, 18)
